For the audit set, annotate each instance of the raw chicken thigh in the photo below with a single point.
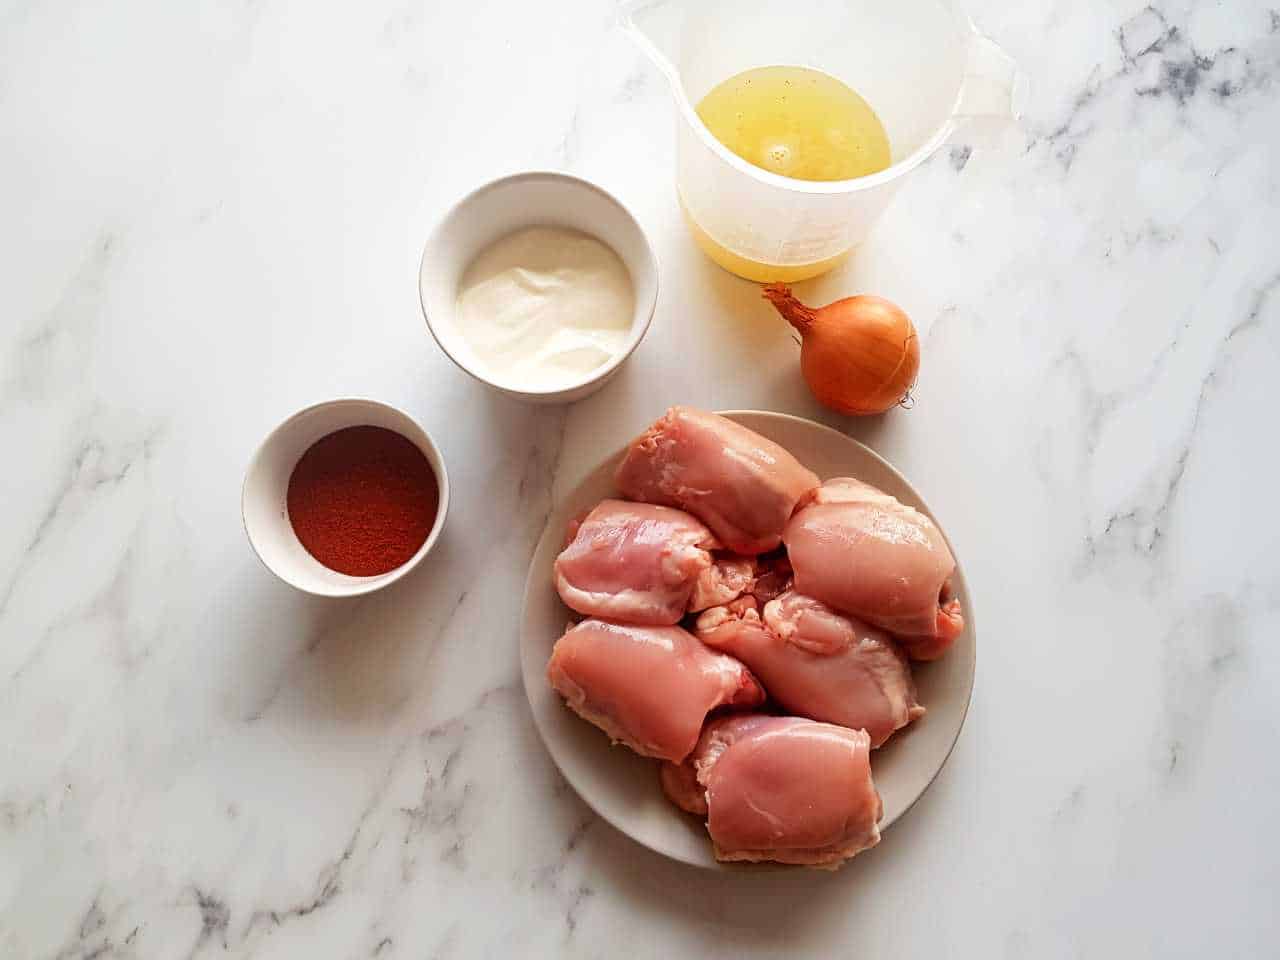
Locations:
(726, 579)
(861, 551)
(780, 788)
(818, 663)
(730, 577)
(648, 687)
(773, 576)
(635, 562)
(741, 485)
(680, 784)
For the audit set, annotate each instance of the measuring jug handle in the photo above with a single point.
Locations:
(993, 87)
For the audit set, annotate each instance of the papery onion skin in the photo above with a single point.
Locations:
(859, 355)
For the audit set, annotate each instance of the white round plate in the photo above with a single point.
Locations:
(622, 787)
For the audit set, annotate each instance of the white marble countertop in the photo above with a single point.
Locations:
(212, 216)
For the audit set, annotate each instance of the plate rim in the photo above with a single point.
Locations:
(715, 865)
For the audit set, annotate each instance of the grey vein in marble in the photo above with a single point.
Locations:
(1159, 60)
(1145, 522)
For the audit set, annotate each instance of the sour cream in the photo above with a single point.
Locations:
(545, 306)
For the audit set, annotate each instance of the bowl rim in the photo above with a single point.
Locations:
(360, 586)
(638, 330)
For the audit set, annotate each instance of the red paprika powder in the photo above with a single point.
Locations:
(363, 500)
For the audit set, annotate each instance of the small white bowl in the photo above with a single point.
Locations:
(496, 209)
(266, 484)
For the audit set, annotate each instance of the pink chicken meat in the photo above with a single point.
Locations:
(634, 562)
(780, 788)
(726, 579)
(860, 551)
(741, 485)
(818, 663)
(730, 576)
(650, 688)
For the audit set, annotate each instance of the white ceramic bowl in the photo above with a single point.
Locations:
(622, 787)
(266, 484)
(525, 200)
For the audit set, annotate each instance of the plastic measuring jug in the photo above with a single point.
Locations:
(921, 64)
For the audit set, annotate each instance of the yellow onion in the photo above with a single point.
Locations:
(859, 355)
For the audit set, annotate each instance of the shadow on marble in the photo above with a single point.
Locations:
(780, 908)
(751, 330)
(323, 661)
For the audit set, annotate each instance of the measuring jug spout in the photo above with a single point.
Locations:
(655, 26)
(993, 89)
